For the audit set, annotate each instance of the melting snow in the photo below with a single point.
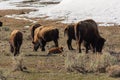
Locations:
(103, 11)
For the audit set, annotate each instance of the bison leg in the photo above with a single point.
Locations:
(87, 46)
(69, 41)
(56, 43)
(18, 49)
(11, 48)
(79, 45)
(94, 48)
(43, 46)
(15, 53)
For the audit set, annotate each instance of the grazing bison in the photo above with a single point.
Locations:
(33, 29)
(43, 35)
(1, 23)
(16, 38)
(69, 30)
(88, 31)
(55, 50)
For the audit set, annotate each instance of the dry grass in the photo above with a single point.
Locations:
(114, 71)
(42, 67)
(18, 63)
(84, 63)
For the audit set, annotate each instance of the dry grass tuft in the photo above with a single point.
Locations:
(114, 71)
(5, 28)
(2, 77)
(84, 63)
(18, 63)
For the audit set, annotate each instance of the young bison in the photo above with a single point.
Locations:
(55, 50)
(15, 41)
(42, 35)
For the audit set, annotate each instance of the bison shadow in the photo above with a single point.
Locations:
(42, 55)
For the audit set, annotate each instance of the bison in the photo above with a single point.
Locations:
(88, 31)
(55, 50)
(33, 29)
(43, 35)
(69, 30)
(15, 41)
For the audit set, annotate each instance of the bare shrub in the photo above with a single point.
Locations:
(72, 62)
(5, 28)
(2, 77)
(86, 63)
(114, 71)
(18, 63)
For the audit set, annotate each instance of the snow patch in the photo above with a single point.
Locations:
(106, 12)
(100, 10)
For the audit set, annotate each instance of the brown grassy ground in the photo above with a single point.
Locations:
(40, 66)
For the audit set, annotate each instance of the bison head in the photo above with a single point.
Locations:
(36, 46)
(100, 44)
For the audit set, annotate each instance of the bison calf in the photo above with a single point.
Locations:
(16, 38)
(55, 50)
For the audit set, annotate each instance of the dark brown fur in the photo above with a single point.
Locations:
(33, 29)
(15, 41)
(88, 31)
(1, 23)
(69, 30)
(43, 35)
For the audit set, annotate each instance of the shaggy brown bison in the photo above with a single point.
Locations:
(33, 29)
(69, 30)
(55, 50)
(88, 31)
(1, 23)
(43, 35)
(16, 38)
